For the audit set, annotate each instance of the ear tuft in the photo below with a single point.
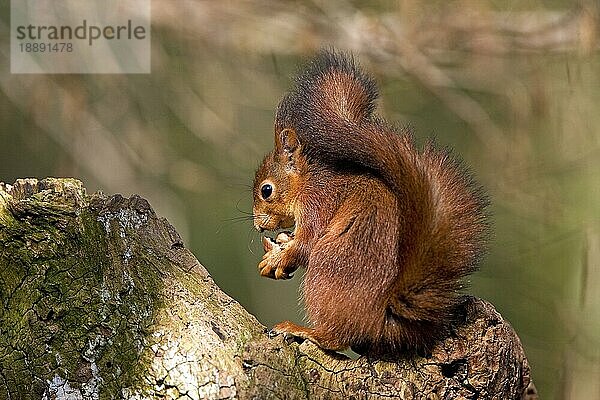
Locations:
(286, 141)
(287, 147)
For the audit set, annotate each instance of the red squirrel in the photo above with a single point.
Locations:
(385, 232)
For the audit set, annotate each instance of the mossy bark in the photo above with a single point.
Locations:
(99, 299)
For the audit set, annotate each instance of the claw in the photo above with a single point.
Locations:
(266, 273)
(281, 274)
(287, 337)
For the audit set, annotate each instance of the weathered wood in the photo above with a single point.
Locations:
(100, 300)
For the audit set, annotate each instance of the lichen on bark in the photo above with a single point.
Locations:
(100, 299)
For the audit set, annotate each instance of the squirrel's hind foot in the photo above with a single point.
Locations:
(288, 328)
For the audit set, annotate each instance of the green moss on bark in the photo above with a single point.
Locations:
(75, 306)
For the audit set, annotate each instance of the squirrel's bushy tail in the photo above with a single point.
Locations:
(441, 211)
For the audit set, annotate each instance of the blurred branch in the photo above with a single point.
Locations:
(269, 26)
(423, 46)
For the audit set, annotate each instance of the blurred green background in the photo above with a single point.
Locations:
(512, 86)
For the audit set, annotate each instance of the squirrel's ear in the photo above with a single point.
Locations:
(286, 141)
(288, 146)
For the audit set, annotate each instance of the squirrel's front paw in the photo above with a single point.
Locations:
(275, 263)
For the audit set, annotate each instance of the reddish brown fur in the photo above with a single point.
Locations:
(386, 232)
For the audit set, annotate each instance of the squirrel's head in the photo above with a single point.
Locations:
(277, 183)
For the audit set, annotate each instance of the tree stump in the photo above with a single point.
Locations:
(100, 299)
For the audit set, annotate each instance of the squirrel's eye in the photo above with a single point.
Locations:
(266, 191)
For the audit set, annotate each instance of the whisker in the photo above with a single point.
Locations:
(237, 207)
(226, 222)
(246, 186)
(252, 234)
(242, 218)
